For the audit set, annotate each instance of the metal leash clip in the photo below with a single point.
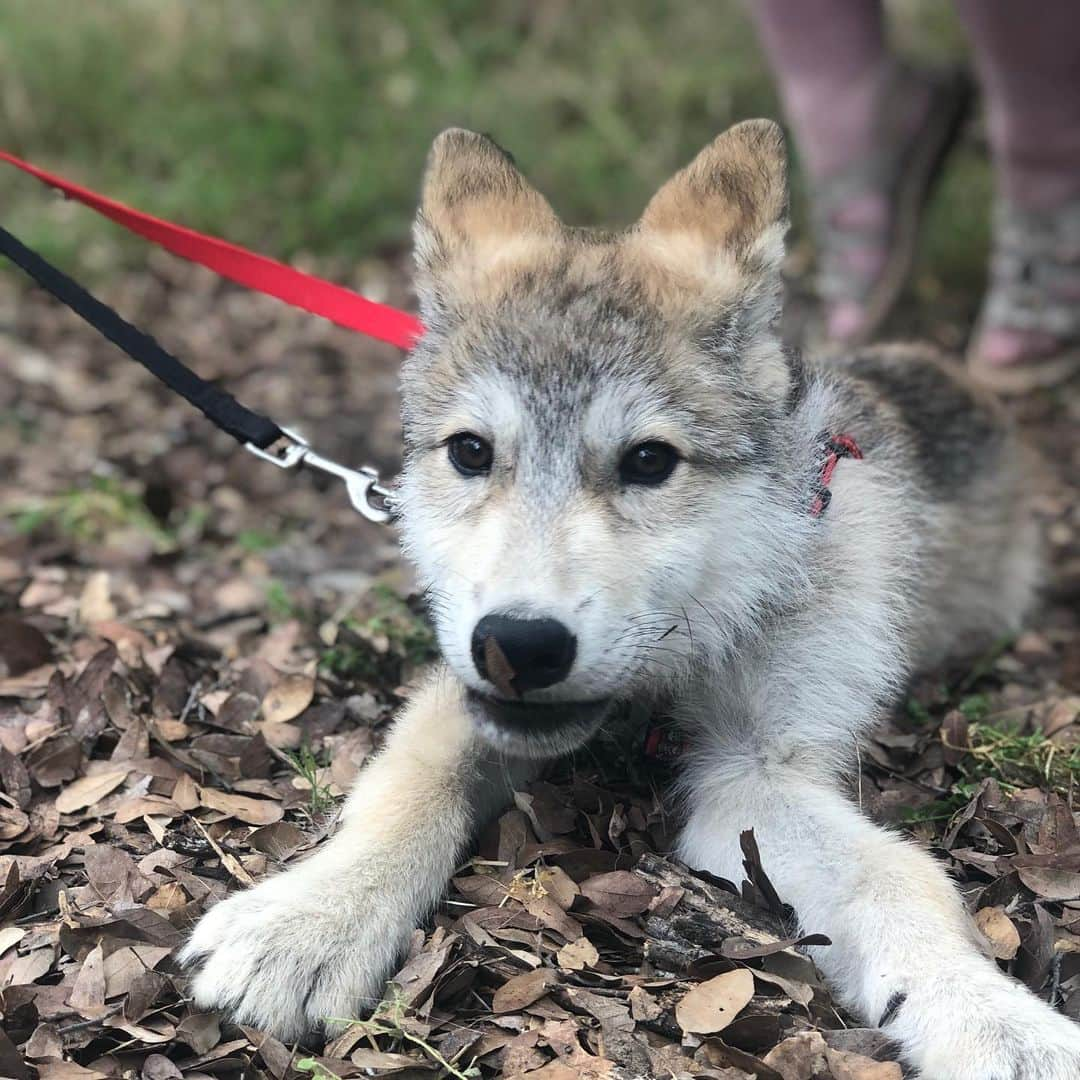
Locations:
(365, 492)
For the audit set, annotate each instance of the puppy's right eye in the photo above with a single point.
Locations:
(469, 454)
(648, 463)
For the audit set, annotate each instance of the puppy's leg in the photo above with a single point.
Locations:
(319, 940)
(904, 953)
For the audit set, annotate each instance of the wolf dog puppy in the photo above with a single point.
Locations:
(619, 485)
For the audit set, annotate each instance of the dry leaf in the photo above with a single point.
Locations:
(113, 875)
(643, 1006)
(50, 1069)
(523, 990)
(94, 603)
(82, 793)
(713, 1004)
(385, 1061)
(279, 840)
(200, 1031)
(799, 992)
(578, 955)
(999, 930)
(281, 736)
(553, 916)
(848, 1066)
(619, 893)
(88, 994)
(29, 968)
(185, 794)
(802, 1057)
(169, 897)
(9, 936)
(13, 822)
(125, 965)
(288, 698)
(250, 811)
(559, 885)
(159, 1067)
(22, 647)
(140, 805)
(1051, 883)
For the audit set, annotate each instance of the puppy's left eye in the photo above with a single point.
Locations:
(648, 463)
(469, 453)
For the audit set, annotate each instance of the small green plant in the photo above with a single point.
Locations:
(918, 713)
(307, 766)
(975, 706)
(1014, 758)
(393, 619)
(316, 1068)
(938, 810)
(382, 635)
(1018, 759)
(255, 540)
(348, 661)
(93, 513)
(280, 604)
(389, 1020)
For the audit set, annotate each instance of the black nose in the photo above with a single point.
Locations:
(522, 654)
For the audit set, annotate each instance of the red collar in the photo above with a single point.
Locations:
(834, 447)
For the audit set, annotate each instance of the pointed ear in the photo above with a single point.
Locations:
(710, 245)
(476, 211)
(730, 200)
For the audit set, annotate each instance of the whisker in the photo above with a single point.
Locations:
(657, 648)
(689, 630)
(715, 620)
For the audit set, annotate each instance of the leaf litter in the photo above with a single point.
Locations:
(198, 654)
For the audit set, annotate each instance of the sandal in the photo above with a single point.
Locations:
(1027, 335)
(866, 219)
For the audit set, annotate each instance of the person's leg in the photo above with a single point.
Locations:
(1028, 58)
(829, 57)
(870, 133)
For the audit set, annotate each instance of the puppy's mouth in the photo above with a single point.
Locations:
(518, 723)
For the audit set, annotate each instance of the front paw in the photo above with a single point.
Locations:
(991, 1029)
(290, 954)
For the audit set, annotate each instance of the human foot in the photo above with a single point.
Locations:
(1028, 333)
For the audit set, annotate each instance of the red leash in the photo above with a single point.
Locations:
(333, 302)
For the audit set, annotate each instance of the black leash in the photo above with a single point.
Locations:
(217, 406)
(256, 432)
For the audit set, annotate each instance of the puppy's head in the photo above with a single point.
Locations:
(588, 422)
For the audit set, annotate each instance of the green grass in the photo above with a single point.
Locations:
(280, 603)
(389, 1021)
(254, 541)
(993, 747)
(385, 626)
(1020, 759)
(307, 766)
(1015, 759)
(303, 128)
(92, 514)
